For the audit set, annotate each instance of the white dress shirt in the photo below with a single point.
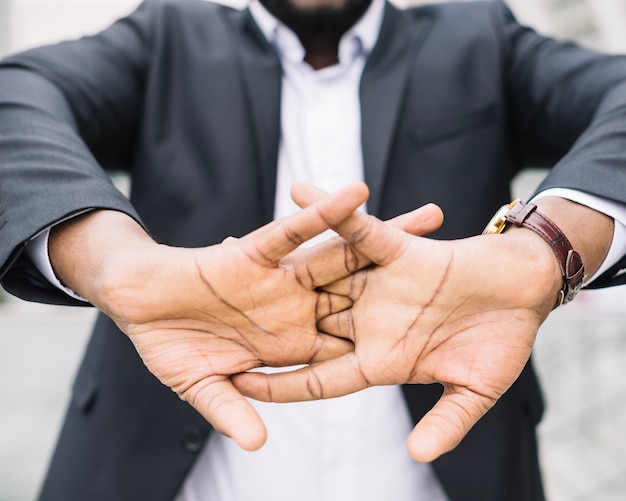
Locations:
(351, 448)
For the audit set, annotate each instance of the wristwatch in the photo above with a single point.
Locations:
(527, 215)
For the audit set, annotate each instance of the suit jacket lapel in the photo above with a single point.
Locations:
(382, 90)
(261, 75)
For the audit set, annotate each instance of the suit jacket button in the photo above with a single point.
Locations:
(192, 440)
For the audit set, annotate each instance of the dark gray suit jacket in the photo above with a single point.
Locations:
(185, 96)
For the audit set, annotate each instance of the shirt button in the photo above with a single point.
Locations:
(192, 440)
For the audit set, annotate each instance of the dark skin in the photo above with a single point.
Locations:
(321, 54)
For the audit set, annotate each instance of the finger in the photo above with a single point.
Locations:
(328, 347)
(304, 193)
(351, 286)
(275, 240)
(326, 262)
(445, 425)
(228, 411)
(340, 325)
(333, 378)
(327, 304)
(380, 242)
(421, 221)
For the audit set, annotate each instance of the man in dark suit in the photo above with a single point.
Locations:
(213, 112)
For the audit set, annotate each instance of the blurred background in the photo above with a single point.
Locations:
(580, 351)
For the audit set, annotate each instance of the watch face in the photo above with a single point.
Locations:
(498, 221)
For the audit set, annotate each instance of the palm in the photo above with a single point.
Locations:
(220, 324)
(438, 334)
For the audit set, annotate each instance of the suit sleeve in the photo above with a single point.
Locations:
(67, 112)
(568, 112)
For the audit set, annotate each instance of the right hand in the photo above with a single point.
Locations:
(463, 313)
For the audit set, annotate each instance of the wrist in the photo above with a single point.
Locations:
(565, 226)
(543, 269)
(589, 231)
(89, 251)
(527, 216)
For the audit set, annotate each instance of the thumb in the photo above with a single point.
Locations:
(228, 411)
(447, 423)
(421, 221)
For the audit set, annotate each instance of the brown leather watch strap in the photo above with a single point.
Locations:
(572, 267)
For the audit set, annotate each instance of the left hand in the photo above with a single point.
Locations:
(463, 313)
(198, 315)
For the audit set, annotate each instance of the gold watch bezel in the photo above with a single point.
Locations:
(498, 222)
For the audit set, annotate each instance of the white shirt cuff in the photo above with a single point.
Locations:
(37, 250)
(614, 209)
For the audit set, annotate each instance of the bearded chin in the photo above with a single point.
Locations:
(318, 24)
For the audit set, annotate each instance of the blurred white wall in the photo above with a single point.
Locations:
(26, 23)
(5, 26)
(36, 22)
(599, 24)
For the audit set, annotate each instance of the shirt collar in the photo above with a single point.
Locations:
(363, 34)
